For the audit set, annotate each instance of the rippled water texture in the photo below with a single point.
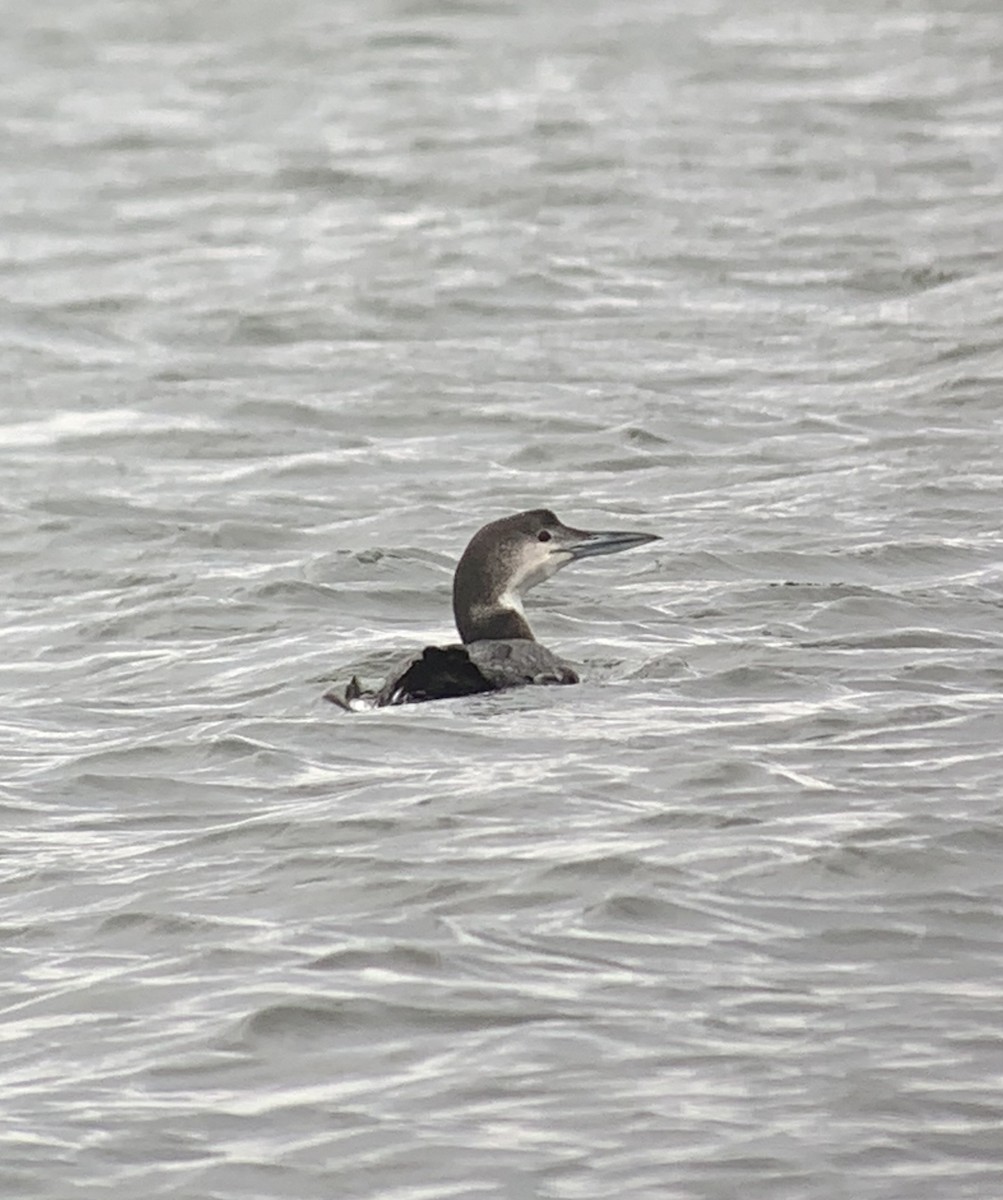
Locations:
(297, 296)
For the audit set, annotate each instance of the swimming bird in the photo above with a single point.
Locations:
(502, 562)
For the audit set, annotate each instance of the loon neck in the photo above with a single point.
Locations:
(487, 589)
(492, 623)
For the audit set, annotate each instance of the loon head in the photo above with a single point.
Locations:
(508, 557)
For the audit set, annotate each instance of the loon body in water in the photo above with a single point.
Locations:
(503, 560)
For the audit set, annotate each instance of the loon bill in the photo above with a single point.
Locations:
(502, 562)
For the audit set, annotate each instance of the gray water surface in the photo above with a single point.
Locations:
(296, 297)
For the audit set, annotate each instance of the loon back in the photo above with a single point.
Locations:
(448, 672)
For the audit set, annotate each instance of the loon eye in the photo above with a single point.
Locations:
(543, 536)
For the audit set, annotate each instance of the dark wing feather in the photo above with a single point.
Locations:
(439, 673)
(446, 672)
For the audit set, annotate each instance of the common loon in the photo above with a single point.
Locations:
(503, 560)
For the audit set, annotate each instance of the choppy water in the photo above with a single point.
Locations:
(293, 299)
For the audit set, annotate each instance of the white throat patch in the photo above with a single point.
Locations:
(512, 599)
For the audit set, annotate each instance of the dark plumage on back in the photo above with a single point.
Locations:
(503, 560)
